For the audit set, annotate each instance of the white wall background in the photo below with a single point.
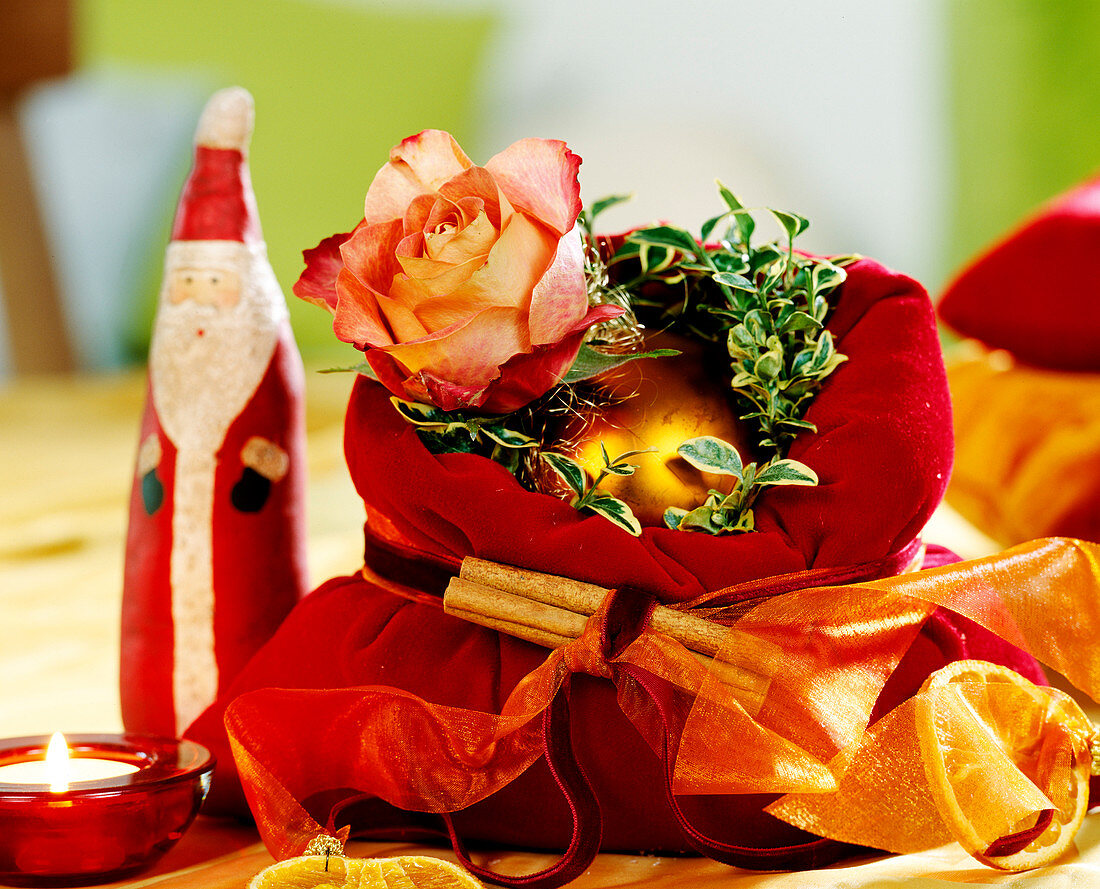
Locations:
(835, 110)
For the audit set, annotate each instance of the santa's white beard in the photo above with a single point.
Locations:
(206, 364)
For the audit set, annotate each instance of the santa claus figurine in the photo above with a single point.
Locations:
(215, 555)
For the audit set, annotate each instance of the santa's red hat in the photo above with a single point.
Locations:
(217, 203)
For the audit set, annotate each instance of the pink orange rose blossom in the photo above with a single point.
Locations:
(464, 285)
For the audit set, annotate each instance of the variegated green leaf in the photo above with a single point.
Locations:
(786, 472)
(673, 516)
(792, 223)
(571, 472)
(709, 454)
(740, 282)
(615, 511)
(846, 260)
(709, 226)
(628, 250)
(748, 477)
(655, 258)
(626, 455)
(605, 204)
(768, 365)
(745, 522)
(746, 224)
(742, 336)
(700, 519)
(422, 414)
(728, 196)
(669, 236)
(826, 277)
(798, 424)
(508, 438)
(799, 321)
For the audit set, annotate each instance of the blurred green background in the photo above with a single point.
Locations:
(335, 87)
(1025, 96)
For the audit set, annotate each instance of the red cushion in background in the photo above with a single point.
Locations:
(1036, 292)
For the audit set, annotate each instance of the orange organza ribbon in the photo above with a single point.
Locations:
(791, 691)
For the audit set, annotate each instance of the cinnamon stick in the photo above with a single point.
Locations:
(474, 598)
(519, 631)
(585, 598)
(563, 592)
(551, 611)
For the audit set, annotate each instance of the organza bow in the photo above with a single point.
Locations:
(979, 754)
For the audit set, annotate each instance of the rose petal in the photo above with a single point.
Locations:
(444, 212)
(421, 163)
(447, 395)
(478, 182)
(370, 253)
(436, 279)
(433, 156)
(446, 311)
(471, 208)
(410, 245)
(539, 177)
(357, 319)
(401, 320)
(517, 262)
(594, 316)
(416, 292)
(525, 377)
(419, 211)
(560, 298)
(392, 375)
(528, 376)
(391, 191)
(476, 239)
(317, 284)
(469, 353)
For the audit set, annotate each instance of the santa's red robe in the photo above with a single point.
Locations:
(257, 546)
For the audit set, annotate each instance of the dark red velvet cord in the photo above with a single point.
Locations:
(584, 844)
(1017, 842)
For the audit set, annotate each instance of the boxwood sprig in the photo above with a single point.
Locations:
(768, 302)
(587, 496)
(450, 432)
(727, 512)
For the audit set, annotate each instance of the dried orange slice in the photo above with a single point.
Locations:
(405, 872)
(1007, 762)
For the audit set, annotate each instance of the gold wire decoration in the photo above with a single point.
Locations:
(326, 845)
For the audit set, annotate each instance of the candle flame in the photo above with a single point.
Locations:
(57, 763)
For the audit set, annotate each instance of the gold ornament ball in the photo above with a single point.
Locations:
(673, 399)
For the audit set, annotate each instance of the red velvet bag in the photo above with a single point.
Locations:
(882, 451)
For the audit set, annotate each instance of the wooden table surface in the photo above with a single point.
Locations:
(67, 449)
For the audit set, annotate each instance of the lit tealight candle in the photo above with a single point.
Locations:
(59, 770)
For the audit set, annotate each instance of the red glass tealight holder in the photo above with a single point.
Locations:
(98, 831)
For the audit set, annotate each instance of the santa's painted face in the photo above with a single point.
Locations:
(217, 323)
(207, 286)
